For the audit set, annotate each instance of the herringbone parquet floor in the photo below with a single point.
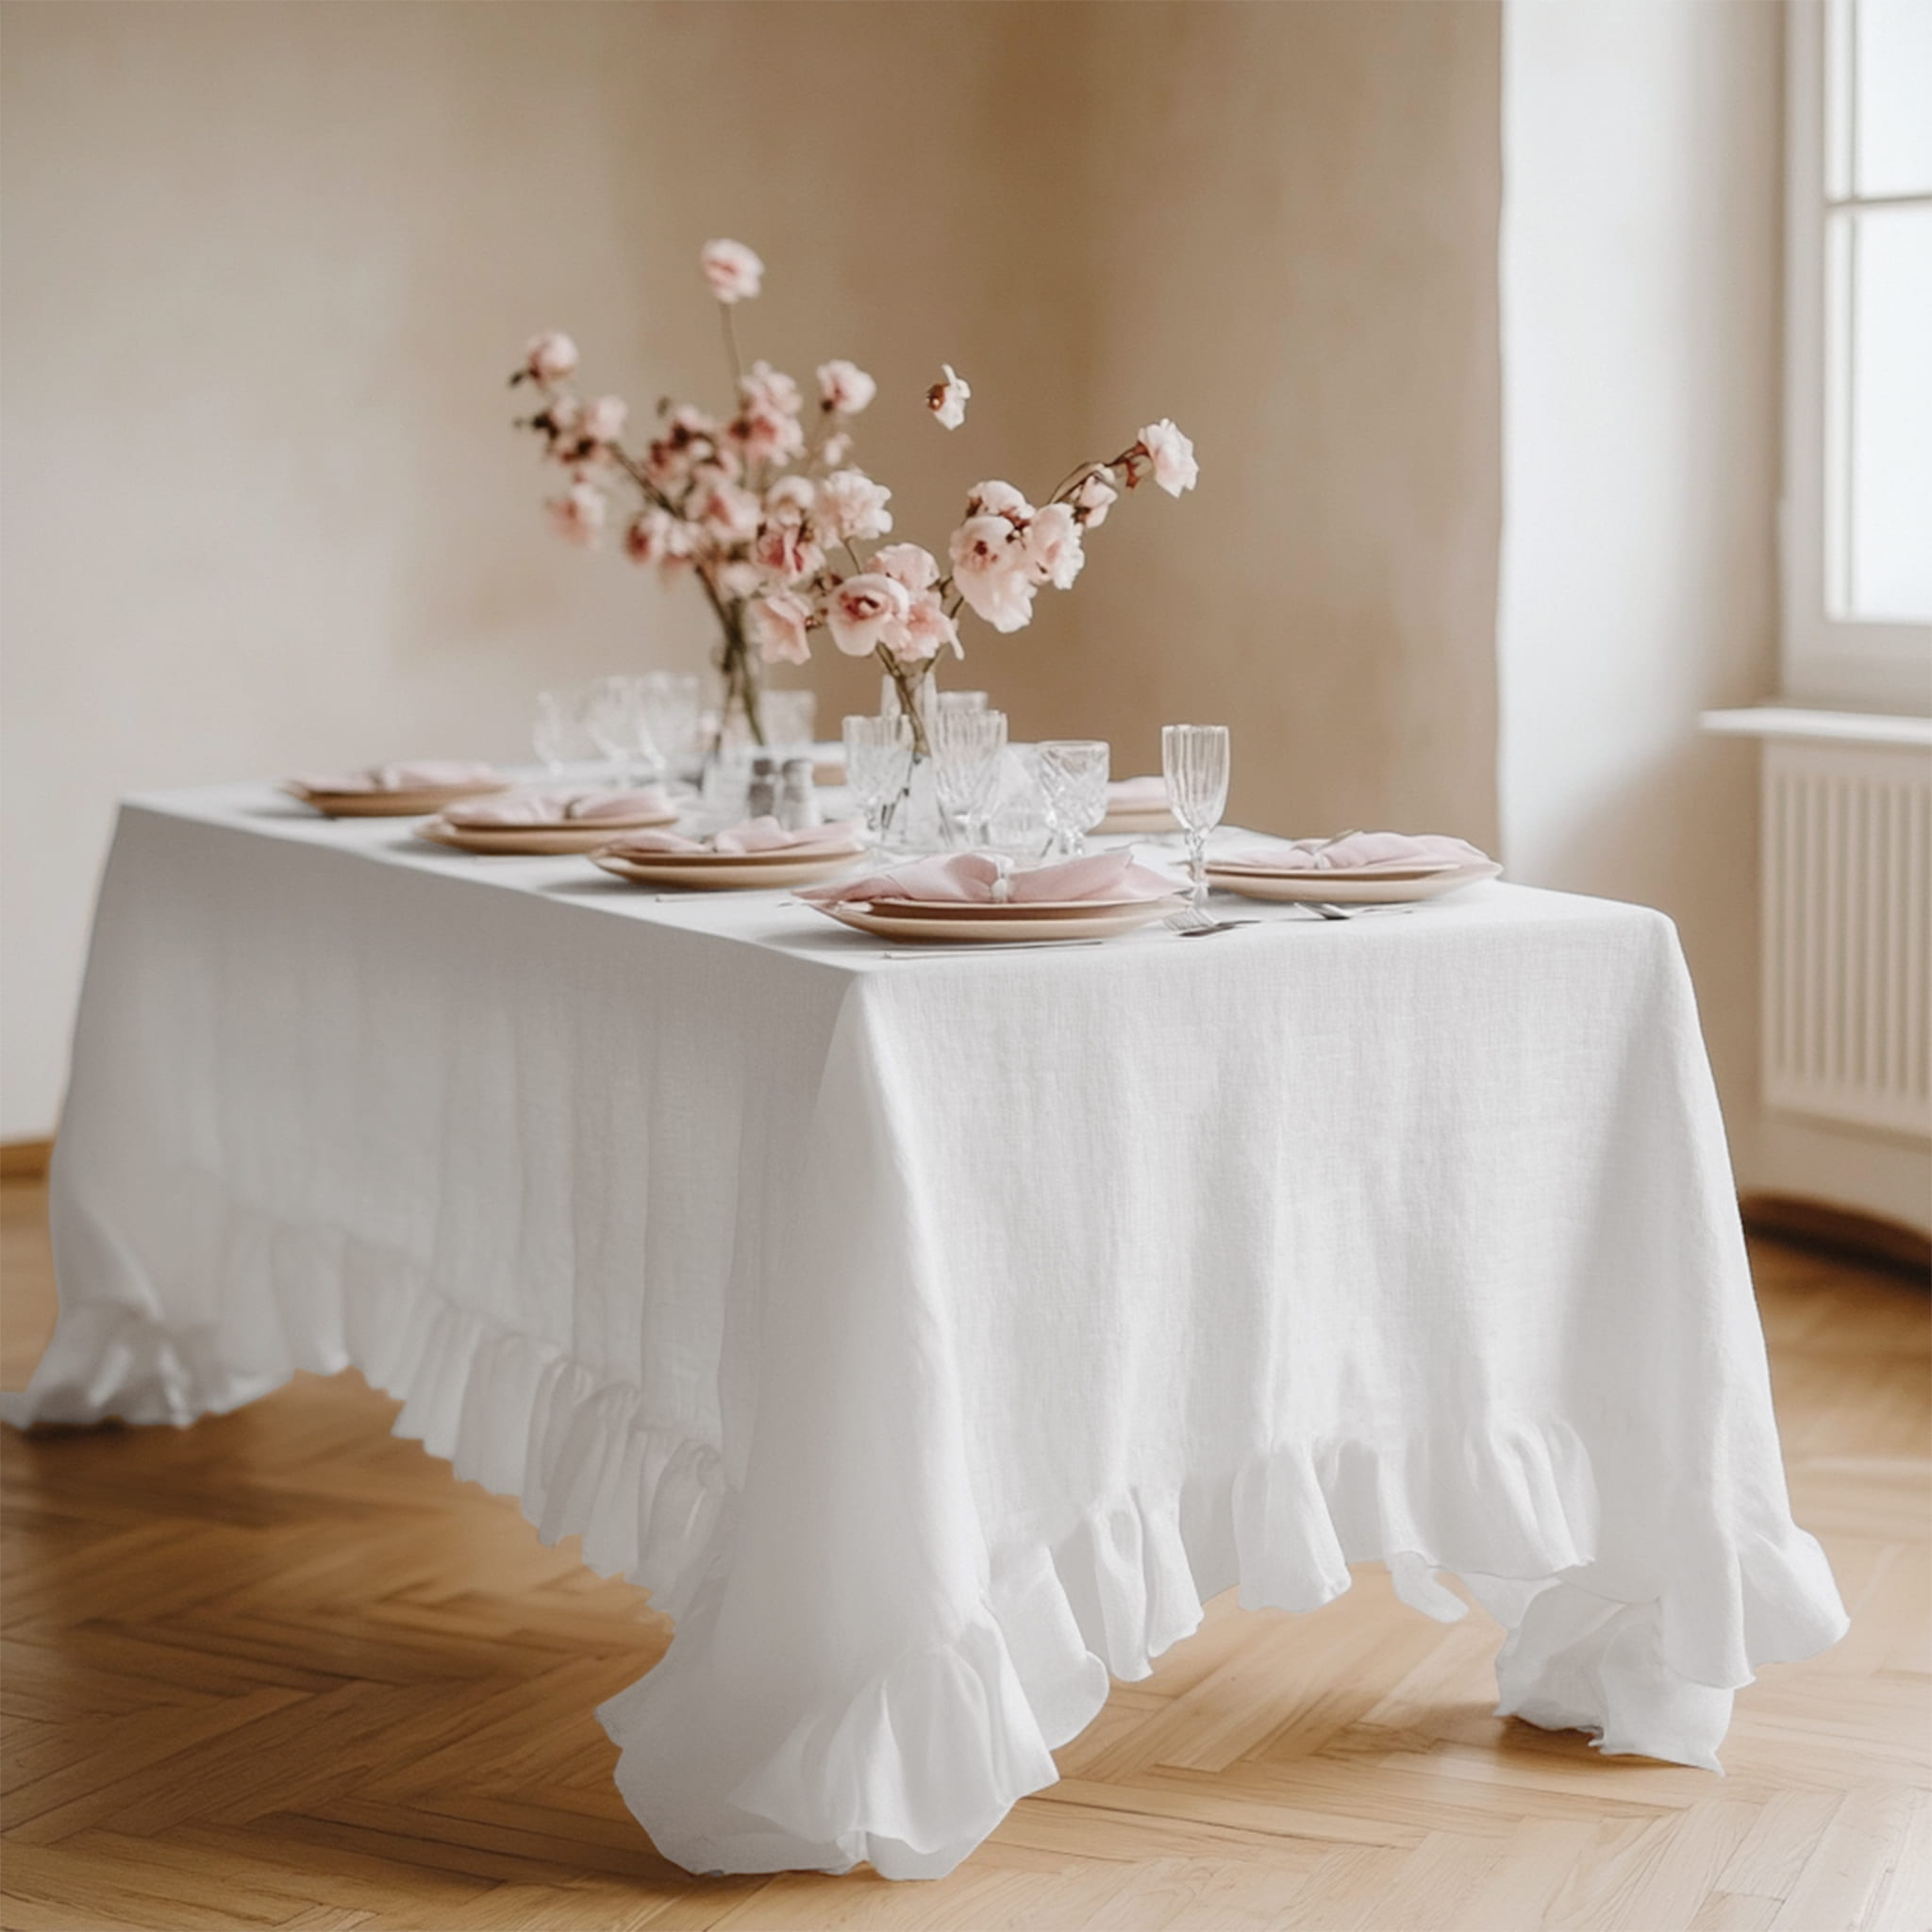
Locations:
(281, 1670)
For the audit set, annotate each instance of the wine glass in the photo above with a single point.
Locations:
(671, 708)
(787, 717)
(1194, 757)
(619, 726)
(559, 732)
(878, 764)
(1072, 784)
(966, 750)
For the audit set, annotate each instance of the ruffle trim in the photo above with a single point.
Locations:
(915, 1765)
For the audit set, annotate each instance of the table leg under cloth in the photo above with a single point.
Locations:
(933, 1339)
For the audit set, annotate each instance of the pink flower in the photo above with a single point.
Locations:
(577, 516)
(602, 421)
(550, 357)
(1053, 547)
(1094, 497)
(835, 449)
(737, 579)
(789, 500)
(998, 500)
(783, 549)
(925, 631)
(655, 536)
(907, 564)
(989, 568)
(947, 400)
(728, 511)
(779, 624)
(844, 388)
(769, 437)
(731, 269)
(863, 609)
(769, 391)
(1172, 455)
(852, 505)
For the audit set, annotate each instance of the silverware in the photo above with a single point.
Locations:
(1197, 925)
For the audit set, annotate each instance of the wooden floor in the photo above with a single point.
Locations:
(281, 1670)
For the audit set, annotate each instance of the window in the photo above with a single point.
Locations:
(1857, 500)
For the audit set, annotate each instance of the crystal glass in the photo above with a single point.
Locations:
(619, 723)
(1072, 784)
(968, 749)
(787, 717)
(1194, 757)
(959, 701)
(879, 765)
(560, 732)
(671, 707)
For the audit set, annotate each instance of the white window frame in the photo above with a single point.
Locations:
(1827, 659)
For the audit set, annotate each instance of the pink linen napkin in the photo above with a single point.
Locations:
(560, 807)
(1137, 794)
(976, 878)
(422, 774)
(755, 836)
(1359, 852)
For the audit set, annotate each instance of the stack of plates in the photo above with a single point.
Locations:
(712, 872)
(1368, 886)
(390, 804)
(553, 836)
(979, 924)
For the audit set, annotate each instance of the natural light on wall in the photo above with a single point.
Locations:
(1857, 515)
(1878, 336)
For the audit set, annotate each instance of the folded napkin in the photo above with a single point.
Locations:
(1137, 794)
(980, 879)
(560, 807)
(424, 774)
(756, 835)
(1359, 852)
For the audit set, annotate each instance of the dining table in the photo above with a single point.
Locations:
(933, 1331)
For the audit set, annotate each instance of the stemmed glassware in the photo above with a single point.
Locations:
(619, 725)
(966, 750)
(671, 708)
(559, 733)
(1194, 758)
(1073, 788)
(878, 764)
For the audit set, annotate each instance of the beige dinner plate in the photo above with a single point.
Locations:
(710, 871)
(1018, 924)
(1349, 889)
(997, 909)
(1146, 823)
(390, 805)
(534, 840)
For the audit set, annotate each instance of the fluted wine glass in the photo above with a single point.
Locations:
(966, 750)
(879, 765)
(1194, 758)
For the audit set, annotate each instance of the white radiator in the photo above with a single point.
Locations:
(1848, 933)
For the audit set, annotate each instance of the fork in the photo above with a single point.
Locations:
(1197, 925)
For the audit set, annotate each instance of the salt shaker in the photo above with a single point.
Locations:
(761, 799)
(798, 801)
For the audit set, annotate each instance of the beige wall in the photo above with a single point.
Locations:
(266, 266)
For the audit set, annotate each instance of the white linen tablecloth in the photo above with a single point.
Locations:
(932, 1336)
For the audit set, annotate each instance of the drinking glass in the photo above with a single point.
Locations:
(1072, 784)
(560, 731)
(1194, 757)
(878, 764)
(671, 706)
(960, 701)
(619, 725)
(968, 748)
(787, 717)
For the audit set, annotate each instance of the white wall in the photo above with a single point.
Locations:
(1640, 265)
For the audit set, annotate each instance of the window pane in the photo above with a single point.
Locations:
(1889, 389)
(1893, 113)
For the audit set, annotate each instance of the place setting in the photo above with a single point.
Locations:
(534, 823)
(408, 790)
